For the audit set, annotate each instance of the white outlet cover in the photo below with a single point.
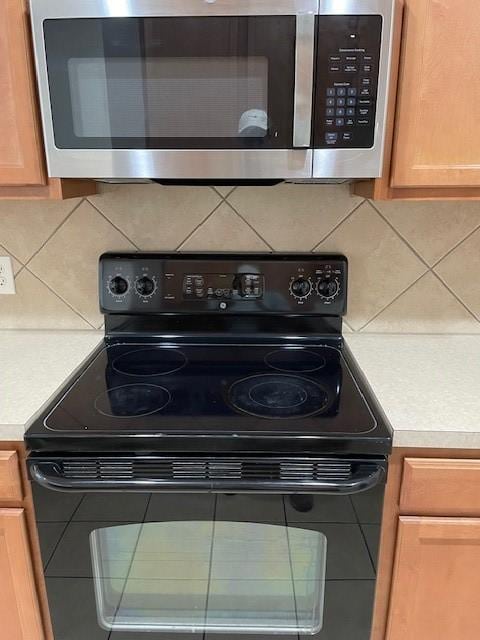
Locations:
(7, 281)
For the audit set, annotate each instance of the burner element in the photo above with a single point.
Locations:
(159, 361)
(278, 396)
(295, 360)
(132, 400)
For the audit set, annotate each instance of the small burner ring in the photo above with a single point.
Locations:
(295, 360)
(149, 362)
(132, 400)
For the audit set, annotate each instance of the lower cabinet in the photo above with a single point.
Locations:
(436, 580)
(19, 610)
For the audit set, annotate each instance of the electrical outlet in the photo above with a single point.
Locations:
(7, 282)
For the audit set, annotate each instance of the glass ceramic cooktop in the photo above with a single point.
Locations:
(214, 389)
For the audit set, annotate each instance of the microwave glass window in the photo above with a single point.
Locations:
(172, 83)
(206, 576)
(182, 97)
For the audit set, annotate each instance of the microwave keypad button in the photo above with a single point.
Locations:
(367, 68)
(330, 102)
(331, 137)
(347, 136)
(350, 112)
(340, 102)
(367, 58)
(366, 82)
(330, 91)
(334, 58)
(350, 68)
(339, 122)
(352, 91)
(364, 102)
(365, 111)
(351, 102)
(350, 122)
(341, 91)
(329, 122)
(340, 112)
(365, 91)
(334, 68)
(351, 58)
(329, 111)
(363, 122)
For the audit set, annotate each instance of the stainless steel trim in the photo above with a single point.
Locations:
(362, 163)
(303, 96)
(367, 477)
(176, 163)
(43, 9)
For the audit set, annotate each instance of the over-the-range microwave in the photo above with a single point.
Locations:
(213, 89)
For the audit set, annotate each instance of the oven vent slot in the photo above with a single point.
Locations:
(202, 469)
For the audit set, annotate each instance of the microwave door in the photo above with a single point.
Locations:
(216, 92)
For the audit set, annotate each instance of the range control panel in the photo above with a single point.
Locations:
(347, 81)
(148, 283)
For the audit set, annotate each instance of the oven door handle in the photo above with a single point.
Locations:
(303, 92)
(365, 477)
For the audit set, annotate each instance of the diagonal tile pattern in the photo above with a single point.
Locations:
(413, 266)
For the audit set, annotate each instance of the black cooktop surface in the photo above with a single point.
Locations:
(214, 389)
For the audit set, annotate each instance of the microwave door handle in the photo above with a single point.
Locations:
(303, 91)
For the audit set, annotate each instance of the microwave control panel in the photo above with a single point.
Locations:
(348, 58)
(142, 283)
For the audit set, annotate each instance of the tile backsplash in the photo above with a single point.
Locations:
(413, 266)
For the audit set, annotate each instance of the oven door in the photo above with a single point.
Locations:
(166, 89)
(252, 560)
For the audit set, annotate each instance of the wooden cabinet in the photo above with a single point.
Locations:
(436, 125)
(19, 609)
(22, 163)
(436, 580)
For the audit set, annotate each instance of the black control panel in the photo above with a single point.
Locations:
(148, 283)
(348, 59)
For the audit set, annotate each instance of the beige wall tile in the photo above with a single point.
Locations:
(16, 265)
(381, 266)
(427, 307)
(34, 306)
(461, 269)
(224, 231)
(294, 217)
(25, 225)
(156, 217)
(69, 262)
(432, 228)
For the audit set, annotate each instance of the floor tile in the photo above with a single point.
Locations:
(309, 508)
(73, 609)
(372, 536)
(172, 506)
(113, 507)
(54, 506)
(348, 611)
(49, 534)
(347, 554)
(249, 507)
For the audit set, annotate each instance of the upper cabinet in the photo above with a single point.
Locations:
(22, 164)
(436, 126)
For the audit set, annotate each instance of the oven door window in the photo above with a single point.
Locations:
(172, 83)
(209, 576)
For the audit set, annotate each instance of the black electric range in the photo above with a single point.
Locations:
(217, 353)
(216, 467)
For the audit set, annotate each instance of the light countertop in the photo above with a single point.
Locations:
(428, 386)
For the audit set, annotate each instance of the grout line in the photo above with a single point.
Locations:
(251, 227)
(349, 325)
(60, 298)
(394, 300)
(107, 219)
(471, 233)
(220, 194)
(67, 217)
(456, 296)
(339, 224)
(202, 222)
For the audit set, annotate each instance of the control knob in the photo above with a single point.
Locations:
(300, 288)
(327, 289)
(145, 286)
(118, 286)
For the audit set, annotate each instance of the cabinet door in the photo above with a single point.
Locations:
(21, 150)
(436, 580)
(19, 609)
(437, 137)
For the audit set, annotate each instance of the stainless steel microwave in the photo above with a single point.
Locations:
(213, 89)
